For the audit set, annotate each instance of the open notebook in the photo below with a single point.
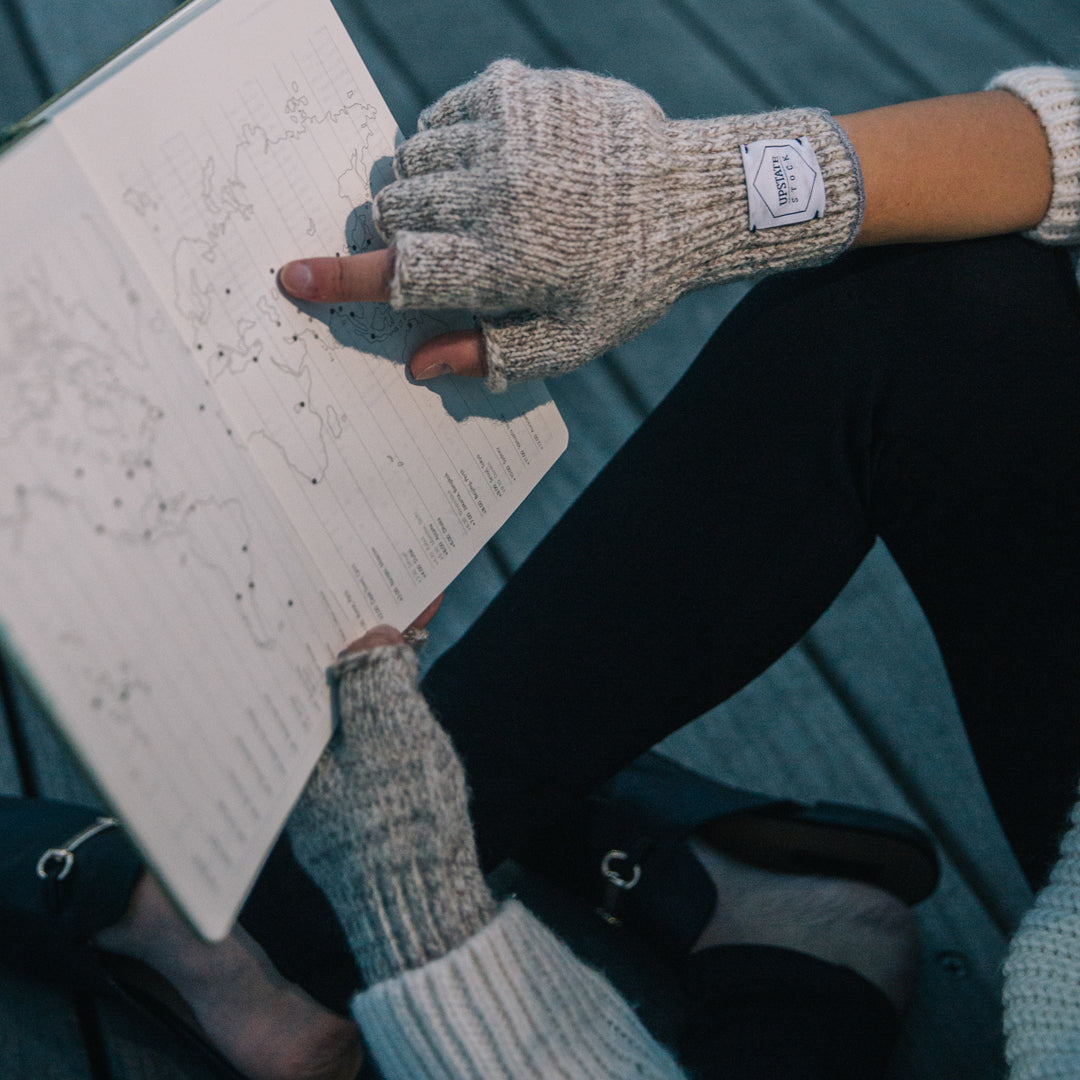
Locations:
(206, 492)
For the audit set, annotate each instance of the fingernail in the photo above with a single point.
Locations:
(297, 278)
(433, 372)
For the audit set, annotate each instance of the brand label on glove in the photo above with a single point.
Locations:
(783, 182)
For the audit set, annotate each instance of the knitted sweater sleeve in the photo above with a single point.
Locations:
(1053, 94)
(510, 1002)
(1042, 976)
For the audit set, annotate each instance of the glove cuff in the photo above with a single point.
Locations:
(713, 237)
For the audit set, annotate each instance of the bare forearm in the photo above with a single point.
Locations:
(950, 168)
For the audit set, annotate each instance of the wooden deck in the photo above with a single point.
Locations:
(861, 709)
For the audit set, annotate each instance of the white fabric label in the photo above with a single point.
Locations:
(783, 182)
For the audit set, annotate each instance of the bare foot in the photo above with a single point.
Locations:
(859, 926)
(268, 1028)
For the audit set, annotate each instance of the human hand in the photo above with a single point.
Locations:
(383, 826)
(571, 213)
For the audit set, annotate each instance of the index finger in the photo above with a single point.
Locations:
(354, 278)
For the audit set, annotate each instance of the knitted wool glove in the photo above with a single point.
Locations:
(383, 825)
(569, 210)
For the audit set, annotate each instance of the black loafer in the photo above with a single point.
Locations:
(626, 852)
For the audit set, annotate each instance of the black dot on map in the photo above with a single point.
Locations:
(251, 584)
(228, 292)
(290, 603)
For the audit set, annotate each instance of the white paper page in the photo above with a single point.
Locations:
(249, 138)
(151, 584)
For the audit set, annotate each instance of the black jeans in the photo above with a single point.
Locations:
(929, 396)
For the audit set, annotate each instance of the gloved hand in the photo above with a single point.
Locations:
(569, 211)
(383, 826)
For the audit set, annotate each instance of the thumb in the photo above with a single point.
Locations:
(459, 352)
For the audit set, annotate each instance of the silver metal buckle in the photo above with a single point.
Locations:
(65, 856)
(614, 876)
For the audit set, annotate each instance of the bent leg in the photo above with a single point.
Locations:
(926, 394)
(705, 548)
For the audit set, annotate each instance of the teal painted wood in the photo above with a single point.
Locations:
(70, 39)
(22, 84)
(1047, 29)
(946, 46)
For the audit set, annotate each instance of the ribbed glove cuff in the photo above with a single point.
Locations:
(710, 236)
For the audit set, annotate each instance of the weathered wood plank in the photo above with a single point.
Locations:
(947, 47)
(72, 41)
(1048, 30)
(22, 83)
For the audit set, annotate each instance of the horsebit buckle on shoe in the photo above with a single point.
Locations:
(617, 884)
(64, 857)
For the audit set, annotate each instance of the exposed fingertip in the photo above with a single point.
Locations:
(297, 279)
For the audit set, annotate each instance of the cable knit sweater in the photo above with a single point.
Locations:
(463, 988)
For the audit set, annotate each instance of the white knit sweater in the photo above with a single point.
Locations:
(513, 1002)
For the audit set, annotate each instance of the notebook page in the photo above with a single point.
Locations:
(152, 588)
(251, 136)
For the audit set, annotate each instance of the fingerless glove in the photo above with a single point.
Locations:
(570, 212)
(383, 826)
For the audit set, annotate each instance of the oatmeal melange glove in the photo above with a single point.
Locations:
(572, 213)
(383, 825)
